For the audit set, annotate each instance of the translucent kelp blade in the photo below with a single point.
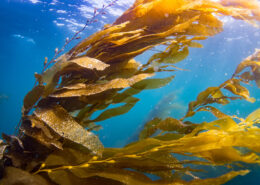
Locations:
(171, 124)
(220, 135)
(214, 111)
(126, 96)
(204, 98)
(254, 117)
(176, 51)
(234, 85)
(253, 62)
(236, 88)
(116, 111)
(167, 125)
(149, 128)
(141, 26)
(63, 124)
(78, 90)
(153, 83)
(98, 36)
(109, 113)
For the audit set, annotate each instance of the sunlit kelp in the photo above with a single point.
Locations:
(55, 144)
(234, 85)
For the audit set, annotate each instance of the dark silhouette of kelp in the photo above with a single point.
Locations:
(55, 144)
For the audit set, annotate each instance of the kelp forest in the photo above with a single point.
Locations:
(55, 142)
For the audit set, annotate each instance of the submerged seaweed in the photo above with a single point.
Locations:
(55, 144)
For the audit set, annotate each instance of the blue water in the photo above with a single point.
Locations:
(32, 29)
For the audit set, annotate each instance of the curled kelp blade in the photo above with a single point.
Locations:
(59, 120)
(51, 76)
(236, 88)
(38, 130)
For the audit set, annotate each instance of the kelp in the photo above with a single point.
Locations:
(37, 129)
(65, 126)
(56, 145)
(167, 125)
(216, 94)
(90, 89)
(158, 20)
(216, 144)
(253, 63)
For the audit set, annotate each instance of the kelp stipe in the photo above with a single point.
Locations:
(55, 144)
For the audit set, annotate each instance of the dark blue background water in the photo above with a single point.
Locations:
(32, 29)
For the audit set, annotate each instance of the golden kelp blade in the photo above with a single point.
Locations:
(216, 143)
(253, 117)
(63, 65)
(90, 89)
(234, 85)
(37, 129)
(63, 124)
(252, 62)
